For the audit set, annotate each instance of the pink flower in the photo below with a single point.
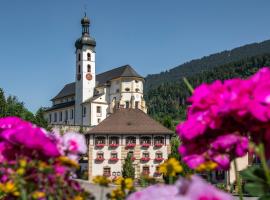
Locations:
(223, 116)
(74, 142)
(185, 189)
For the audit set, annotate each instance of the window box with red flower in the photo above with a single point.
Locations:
(158, 145)
(159, 159)
(145, 159)
(100, 145)
(130, 145)
(145, 145)
(114, 159)
(157, 173)
(99, 159)
(113, 145)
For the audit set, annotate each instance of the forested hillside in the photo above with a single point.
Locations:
(207, 63)
(168, 99)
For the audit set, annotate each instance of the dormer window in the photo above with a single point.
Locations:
(88, 68)
(88, 56)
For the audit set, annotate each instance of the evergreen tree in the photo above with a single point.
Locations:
(175, 143)
(128, 169)
(3, 104)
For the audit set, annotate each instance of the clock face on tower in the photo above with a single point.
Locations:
(88, 76)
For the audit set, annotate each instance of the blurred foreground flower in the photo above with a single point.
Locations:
(185, 189)
(170, 167)
(35, 164)
(101, 180)
(222, 117)
(125, 186)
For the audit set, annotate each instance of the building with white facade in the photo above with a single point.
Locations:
(92, 97)
(127, 131)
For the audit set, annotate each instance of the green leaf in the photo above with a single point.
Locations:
(253, 173)
(256, 189)
(265, 197)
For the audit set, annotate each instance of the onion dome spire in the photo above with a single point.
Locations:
(85, 39)
(85, 25)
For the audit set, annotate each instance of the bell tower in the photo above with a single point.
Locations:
(85, 79)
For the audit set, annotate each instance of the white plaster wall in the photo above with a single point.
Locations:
(242, 163)
(69, 121)
(84, 87)
(94, 115)
(97, 168)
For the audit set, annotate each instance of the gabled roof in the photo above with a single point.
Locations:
(101, 79)
(68, 90)
(129, 121)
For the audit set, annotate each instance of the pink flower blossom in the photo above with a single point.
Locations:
(185, 189)
(223, 116)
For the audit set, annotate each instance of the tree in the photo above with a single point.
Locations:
(3, 104)
(175, 143)
(128, 169)
(16, 108)
(39, 118)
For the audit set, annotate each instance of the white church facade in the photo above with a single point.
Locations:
(92, 97)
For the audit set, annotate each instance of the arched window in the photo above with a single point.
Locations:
(88, 56)
(88, 68)
(79, 69)
(79, 57)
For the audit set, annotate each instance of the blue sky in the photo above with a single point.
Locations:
(37, 37)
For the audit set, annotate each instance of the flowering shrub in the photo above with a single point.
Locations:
(222, 117)
(35, 164)
(187, 189)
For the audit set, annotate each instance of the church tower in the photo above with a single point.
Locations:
(85, 70)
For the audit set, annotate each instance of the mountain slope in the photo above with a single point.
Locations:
(206, 63)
